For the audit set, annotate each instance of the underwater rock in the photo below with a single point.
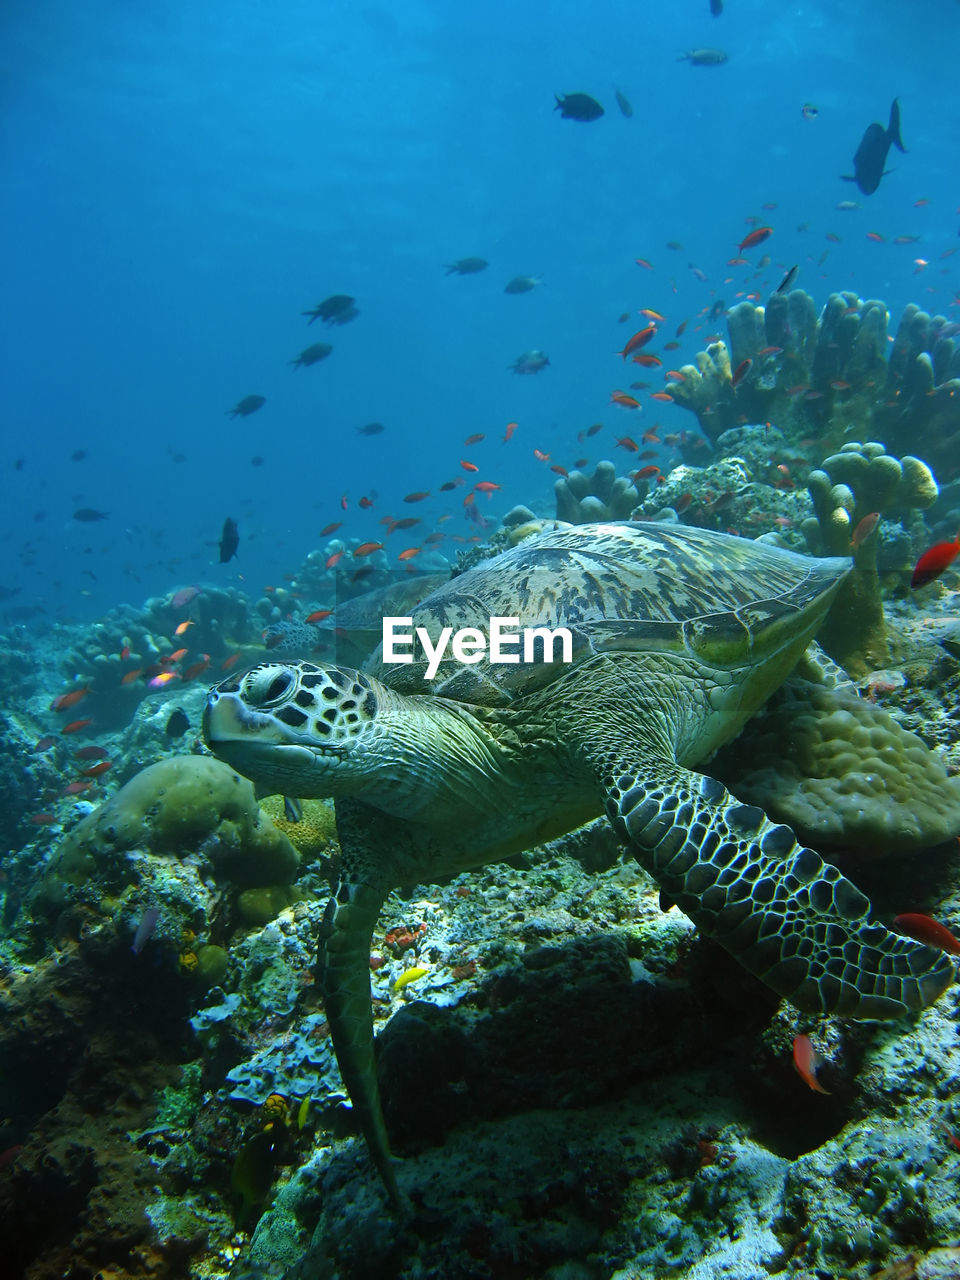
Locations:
(604, 496)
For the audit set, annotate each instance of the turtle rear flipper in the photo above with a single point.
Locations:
(786, 915)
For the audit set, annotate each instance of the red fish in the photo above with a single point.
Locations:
(96, 770)
(754, 238)
(135, 674)
(475, 438)
(487, 486)
(227, 663)
(740, 372)
(628, 443)
(318, 615)
(67, 700)
(511, 428)
(875, 235)
(196, 669)
(42, 819)
(332, 560)
(75, 726)
(365, 503)
(933, 562)
(75, 788)
(642, 262)
(561, 471)
(807, 1061)
(409, 553)
(647, 362)
(925, 929)
(469, 466)
(638, 340)
(367, 549)
(646, 472)
(91, 753)
(330, 528)
(541, 456)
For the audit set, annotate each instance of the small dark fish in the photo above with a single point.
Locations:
(87, 515)
(717, 310)
(249, 404)
(312, 355)
(178, 723)
(871, 155)
(148, 923)
(788, 279)
(292, 809)
(716, 7)
(229, 541)
(370, 429)
(809, 111)
(704, 57)
(578, 106)
(530, 362)
(337, 309)
(78, 455)
(522, 284)
(256, 460)
(623, 103)
(466, 266)
(7, 593)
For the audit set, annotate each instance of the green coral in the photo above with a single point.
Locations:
(182, 805)
(583, 499)
(315, 835)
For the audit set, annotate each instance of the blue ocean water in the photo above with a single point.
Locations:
(182, 181)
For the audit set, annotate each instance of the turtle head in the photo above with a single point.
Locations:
(296, 728)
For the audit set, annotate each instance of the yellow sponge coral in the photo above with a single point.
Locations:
(849, 776)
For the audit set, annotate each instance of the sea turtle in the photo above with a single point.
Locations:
(678, 636)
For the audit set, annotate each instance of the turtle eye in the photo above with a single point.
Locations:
(266, 686)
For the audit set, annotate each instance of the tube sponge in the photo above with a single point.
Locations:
(182, 805)
(852, 776)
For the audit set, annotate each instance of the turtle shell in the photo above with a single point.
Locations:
(635, 586)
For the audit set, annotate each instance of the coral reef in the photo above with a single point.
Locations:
(583, 499)
(850, 490)
(181, 805)
(828, 376)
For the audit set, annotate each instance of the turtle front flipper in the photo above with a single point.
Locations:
(786, 915)
(343, 975)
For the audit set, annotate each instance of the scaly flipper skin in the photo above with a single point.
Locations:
(786, 915)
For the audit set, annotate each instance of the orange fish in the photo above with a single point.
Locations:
(125, 652)
(561, 471)
(626, 442)
(96, 770)
(626, 402)
(332, 560)
(650, 437)
(67, 700)
(875, 235)
(470, 499)
(75, 726)
(675, 375)
(638, 340)
(933, 562)
(647, 362)
(925, 929)
(475, 438)
(75, 788)
(409, 553)
(367, 549)
(646, 472)
(486, 486)
(162, 679)
(418, 496)
(770, 351)
(132, 675)
(196, 669)
(227, 663)
(652, 315)
(318, 615)
(661, 395)
(177, 655)
(807, 1062)
(469, 466)
(330, 528)
(511, 428)
(541, 456)
(754, 238)
(865, 528)
(181, 629)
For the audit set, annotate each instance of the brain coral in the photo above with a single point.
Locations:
(182, 805)
(850, 776)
